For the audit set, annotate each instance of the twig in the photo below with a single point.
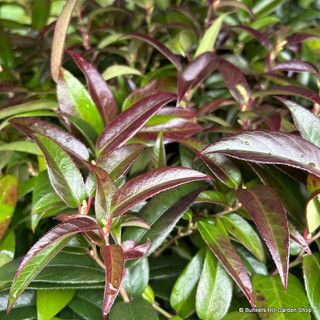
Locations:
(165, 313)
(124, 294)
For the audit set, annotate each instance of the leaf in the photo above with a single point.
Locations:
(118, 161)
(212, 197)
(137, 309)
(150, 184)
(267, 212)
(214, 105)
(48, 201)
(244, 233)
(268, 292)
(235, 81)
(216, 237)
(22, 146)
(295, 66)
(270, 147)
(159, 46)
(32, 125)
(59, 37)
(214, 290)
(115, 271)
(183, 293)
(65, 177)
(237, 4)
(98, 88)
(312, 211)
(209, 38)
(311, 275)
(43, 251)
(40, 13)
(8, 200)
(118, 70)
(133, 250)
(6, 51)
(158, 156)
(122, 128)
(136, 279)
(298, 238)
(50, 302)
(75, 100)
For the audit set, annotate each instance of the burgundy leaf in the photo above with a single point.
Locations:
(133, 221)
(124, 126)
(298, 238)
(296, 66)
(273, 147)
(269, 115)
(31, 125)
(134, 250)
(297, 38)
(214, 105)
(172, 25)
(163, 49)
(114, 260)
(98, 88)
(235, 81)
(267, 212)
(151, 183)
(176, 113)
(236, 4)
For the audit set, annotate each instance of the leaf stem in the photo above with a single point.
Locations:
(124, 294)
(165, 313)
(224, 212)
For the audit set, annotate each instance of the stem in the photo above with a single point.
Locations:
(222, 213)
(94, 254)
(165, 313)
(124, 294)
(315, 237)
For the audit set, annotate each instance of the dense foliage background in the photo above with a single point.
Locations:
(171, 146)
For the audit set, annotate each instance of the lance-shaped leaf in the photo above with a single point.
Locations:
(133, 250)
(118, 161)
(149, 184)
(6, 51)
(298, 238)
(267, 212)
(236, 4)
(214, 105)
(133, 221)
(158, 156)
(306, 122)
(312, 211)
(235, 81)
(43, 251)
(130, 121)
(32, 125)
(65, 177)
(8, 200)
(216, 237)
(270, 147)
(60, 33)
(295, 66)
(98, 88)
(116, 71)
(114, 260)
(75, 100)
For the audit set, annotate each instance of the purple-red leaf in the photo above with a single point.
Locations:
(124, 126)
(133, 221)
(43, 251)
(216, 236)
(114, 260)
(236, 4)
(273, 147)
(214, 105)
(297, 38)
(134, 250)
(295, 66)
(298, 238)
(149, 184)
(267, 212)
(98, 88)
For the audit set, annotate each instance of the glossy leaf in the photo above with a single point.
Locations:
(98, 88)
(158, 156)
(58, 300)
(214, 105)
(311, 275)
(270, 147)
(295, 66)
(116, 71)
(298, 238)
(312, 211)
(22, 146)
(7, 247)
(60, 33)
(267, 212)
(149, 184)
(236, 4)
(114, 261)
(212, 197)
(183, 293)
(43, 251)
(75, 100)
(121, 129)
(133, 221)
(32, 125)
(8, 200)
(6, 51)
(244, 233)
(216, 237)
(268, 291)
(40, 13)
(214, 290)
(133, 250)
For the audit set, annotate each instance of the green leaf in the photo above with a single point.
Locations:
(136, 279)
(137, 309)
(269, 293)
(22, 146)
(183, 293)
(7, 247)
(311, 275)
(75, 100)
(40, 13)
(158, 157)
(116, 71)
(244, 233)
(210, 36)
(313, 211)
(214, 290)
(6, 51)
(264, 7)
(8, 200)
(50, 302)
(236, 315)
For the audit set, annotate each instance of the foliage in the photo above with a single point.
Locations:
(164, 150)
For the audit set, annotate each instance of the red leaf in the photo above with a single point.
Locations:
(296, 66)
(267, 212)
(124, 126)
(297, 38)
(214, 105)
(134, 250)
(298, 238)
(98, 88)
(114, 260)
